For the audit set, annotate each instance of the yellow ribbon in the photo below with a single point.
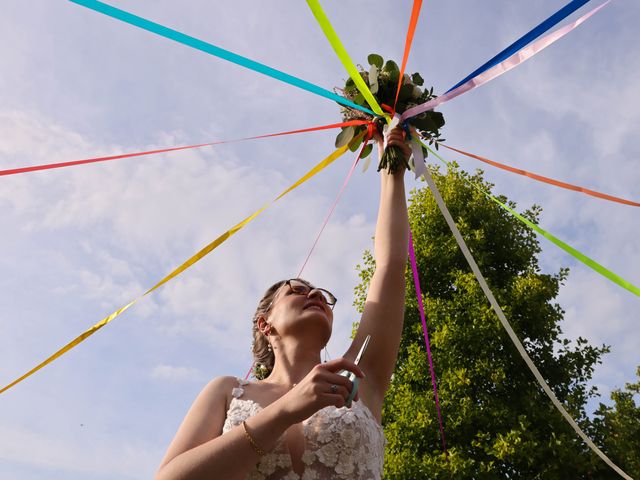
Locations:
(191, 261)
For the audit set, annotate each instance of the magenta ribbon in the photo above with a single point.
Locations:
(416, 282)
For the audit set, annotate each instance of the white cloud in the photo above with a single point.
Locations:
(80, 242)
(175, 374)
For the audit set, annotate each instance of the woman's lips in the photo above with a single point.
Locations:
(314, 305)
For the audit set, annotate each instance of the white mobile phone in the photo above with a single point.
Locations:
(352, 376)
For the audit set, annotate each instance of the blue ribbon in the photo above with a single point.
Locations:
(527, 38)
(216, 51)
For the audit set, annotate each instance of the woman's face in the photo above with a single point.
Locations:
(300, 307)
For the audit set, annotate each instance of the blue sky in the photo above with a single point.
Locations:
(79, 243)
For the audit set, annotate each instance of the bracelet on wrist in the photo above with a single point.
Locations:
(251, 441)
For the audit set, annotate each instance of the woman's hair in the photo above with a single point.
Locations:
(263, 358)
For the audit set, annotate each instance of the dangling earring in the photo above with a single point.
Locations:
(326, 354)
(269, 347)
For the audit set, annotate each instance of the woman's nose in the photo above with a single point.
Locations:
(316, 293)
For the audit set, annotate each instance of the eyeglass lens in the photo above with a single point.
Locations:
(304, 289)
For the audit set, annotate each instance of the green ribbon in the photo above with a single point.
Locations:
(337, 46)
(589, 262)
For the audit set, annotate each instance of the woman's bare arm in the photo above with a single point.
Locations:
(200, 451)
(383, 314)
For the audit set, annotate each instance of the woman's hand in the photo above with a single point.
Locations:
(395, 138)
(317, 390)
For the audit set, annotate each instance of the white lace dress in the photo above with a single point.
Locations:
(340, 443)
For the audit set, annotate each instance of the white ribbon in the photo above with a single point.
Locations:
(507, 326)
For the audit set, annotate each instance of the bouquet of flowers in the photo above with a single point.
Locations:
(382, 79)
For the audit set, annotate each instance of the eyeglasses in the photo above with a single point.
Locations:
(300, 288)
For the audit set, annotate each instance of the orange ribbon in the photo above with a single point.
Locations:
(548, 180)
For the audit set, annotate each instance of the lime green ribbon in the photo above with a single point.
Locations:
(589, 262)
(335, 42)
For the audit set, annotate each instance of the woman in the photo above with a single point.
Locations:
(294, 424)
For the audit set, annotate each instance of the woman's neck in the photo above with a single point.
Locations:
(292, 365)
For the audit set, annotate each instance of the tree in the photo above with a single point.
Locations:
(498, 422)
(617, 428)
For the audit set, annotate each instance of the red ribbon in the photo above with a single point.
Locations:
(14, 171)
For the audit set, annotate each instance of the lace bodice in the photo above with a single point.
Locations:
(340, 443)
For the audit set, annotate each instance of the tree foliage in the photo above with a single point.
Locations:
(498, 422)
(617, 429)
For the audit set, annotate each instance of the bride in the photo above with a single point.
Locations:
(298, 422)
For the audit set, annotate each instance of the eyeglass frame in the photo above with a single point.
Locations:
(311, 289)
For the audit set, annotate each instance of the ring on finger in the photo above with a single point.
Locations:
(334, 388)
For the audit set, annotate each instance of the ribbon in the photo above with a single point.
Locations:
(528, 37)
(507, 326)
(413, 21)
(191, 261)
(333, 206)
(214, 50)
(503, 67)
(14, 171)
(434, 383)
(618, 280)
(337, 46)
(548, 180)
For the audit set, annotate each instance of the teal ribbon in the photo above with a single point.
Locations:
(211, 49)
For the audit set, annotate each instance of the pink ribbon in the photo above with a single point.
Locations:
(503, 67)
(416, 282)
(333, 207)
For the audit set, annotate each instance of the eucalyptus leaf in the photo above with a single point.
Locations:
(406, 92)
(375, 59)
(366, 151)
(373, 75)
(359, 99)
(417, 79)
(354, 143)
(438, 119)
(391, 66)
(345, 136)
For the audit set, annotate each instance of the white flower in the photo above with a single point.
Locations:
(283, 460)
(328, 454)
(350, 437)
(310, 474)
(308, 457)
(326, 434)
(346, 465)
(255, 475)
(267, 464)
(291, 476)
(237, 392)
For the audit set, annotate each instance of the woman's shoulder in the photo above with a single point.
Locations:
(219, 389)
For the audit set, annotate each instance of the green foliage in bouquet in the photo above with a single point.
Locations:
(382, 79)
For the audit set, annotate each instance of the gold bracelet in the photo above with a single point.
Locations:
(253, 443)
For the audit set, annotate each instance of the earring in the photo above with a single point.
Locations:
(326, 354)
(269, 347)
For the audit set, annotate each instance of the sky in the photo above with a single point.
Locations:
(80, 242)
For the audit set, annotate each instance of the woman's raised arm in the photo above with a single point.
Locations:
(384, 307)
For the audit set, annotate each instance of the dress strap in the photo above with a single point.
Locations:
(239, 390)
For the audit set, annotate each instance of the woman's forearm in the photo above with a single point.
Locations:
(391, 238)
(230, 456)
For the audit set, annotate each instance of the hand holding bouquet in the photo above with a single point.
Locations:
(382, 80)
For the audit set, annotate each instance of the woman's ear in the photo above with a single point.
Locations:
(263, 325)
